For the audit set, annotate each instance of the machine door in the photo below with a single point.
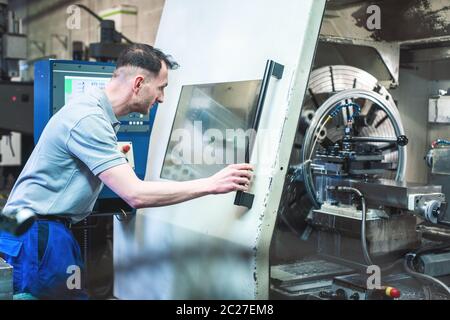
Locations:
(210, 248)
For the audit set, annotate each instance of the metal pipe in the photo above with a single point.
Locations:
(431, 40)
(373, 139)
(92, 13)
(433, 231)
(367, 258)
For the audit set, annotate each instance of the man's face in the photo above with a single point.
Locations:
(151, 91)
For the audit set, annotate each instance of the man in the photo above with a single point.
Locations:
(76, 153)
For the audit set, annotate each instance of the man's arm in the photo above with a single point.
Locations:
(142, 194)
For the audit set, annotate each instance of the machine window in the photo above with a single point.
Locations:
(210, 128)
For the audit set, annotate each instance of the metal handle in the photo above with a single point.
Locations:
(273, 69)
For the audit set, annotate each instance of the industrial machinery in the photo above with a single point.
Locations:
(110, 45)
(216, 247)
(16, 101)
(16, 113)
(347, 199)
(333, 216)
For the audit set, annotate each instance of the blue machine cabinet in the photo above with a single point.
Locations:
(56, 81)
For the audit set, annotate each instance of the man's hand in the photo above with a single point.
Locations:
(232, 178)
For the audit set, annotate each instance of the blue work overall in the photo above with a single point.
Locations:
(45, 260)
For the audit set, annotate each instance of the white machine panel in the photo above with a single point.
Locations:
(10, 150)
(209, 248)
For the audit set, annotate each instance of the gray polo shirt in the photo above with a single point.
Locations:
(61, 175)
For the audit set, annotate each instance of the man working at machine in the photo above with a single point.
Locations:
(75, 155)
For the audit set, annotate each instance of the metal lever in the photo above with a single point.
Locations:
(400, 140)
(273, 69)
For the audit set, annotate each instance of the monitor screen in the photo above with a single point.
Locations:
(76, 85)
(70, 79)
(210, 129)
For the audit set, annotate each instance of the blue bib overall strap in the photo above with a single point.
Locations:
(46, 260)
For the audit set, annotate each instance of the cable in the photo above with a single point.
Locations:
(339, 107)
(423, 276)
(367, 258)
(392, 265)
(124, 38)
(440, 247)
(437, 142)
(309, 183)
(92, 13)
(427, 292)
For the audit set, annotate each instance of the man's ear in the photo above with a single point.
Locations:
(138, 82)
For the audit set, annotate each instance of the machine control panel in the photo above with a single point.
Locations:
(135, 122)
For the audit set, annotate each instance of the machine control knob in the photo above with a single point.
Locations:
(392, 292)
(354, 296)
(126, 148)
(402, 140)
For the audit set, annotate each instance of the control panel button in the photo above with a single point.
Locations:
(126, 148)
(392, 292)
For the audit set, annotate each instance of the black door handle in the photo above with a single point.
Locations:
(273, 69)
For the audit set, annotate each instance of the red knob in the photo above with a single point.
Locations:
(393, 292)
(126, 148)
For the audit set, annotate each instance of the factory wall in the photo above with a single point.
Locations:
(412, 102)
(45, 22)
(440, 76)
(439, 72)
(418, 83)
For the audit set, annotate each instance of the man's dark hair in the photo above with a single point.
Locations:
(146, 57)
